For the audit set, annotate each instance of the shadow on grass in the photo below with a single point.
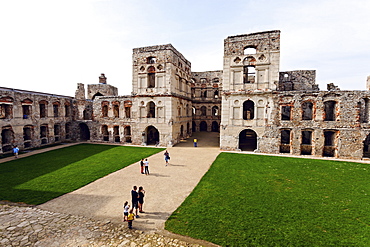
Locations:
(41, 177)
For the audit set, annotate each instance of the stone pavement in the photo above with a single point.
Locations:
(92, 215)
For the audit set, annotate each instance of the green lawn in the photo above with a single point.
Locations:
(256, 200)
(39, 178)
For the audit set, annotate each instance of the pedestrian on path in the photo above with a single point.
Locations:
(142, 166)
(15, 151)
(146, 167)
(130, 218)
(126, 208)
(141, 194)
(166, 157)
(195, 142)
(134, 200)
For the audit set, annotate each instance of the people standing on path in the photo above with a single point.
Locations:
(131, 218)
(134, 200)
(141, 194)
(195, 142)
(126, 209)
(166, 157)
(142, 166)
(146, 167)
(15, 151)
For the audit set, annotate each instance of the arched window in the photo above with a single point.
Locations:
(215, 111)
(203, 111)
(105, 133)
(104, 109)
(250, 50)
(151, 110)
(151, 77)
(248, 110)
(150, 60)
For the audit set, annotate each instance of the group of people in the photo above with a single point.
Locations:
(144, 164)
(137, 195)
(137, 200)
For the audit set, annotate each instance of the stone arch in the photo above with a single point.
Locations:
(152, 135)
(203, 126)
(7, 138)
(247, 140)
(97, 94)
(84, 132)
(366, 149)
(215, 127)
(105, 132)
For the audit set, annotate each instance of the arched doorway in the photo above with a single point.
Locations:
(366, 153)
(215, 126)
(152, 135)
(247, 140)
(182, 131)
(193, 127)
(203, 126)
(84, 132)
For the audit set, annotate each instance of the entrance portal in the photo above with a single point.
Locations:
(247, 140)
(84, 132)
(366, 153)
(152, 135)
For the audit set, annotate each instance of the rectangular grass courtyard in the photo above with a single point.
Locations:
(41, 177)
(258, 200)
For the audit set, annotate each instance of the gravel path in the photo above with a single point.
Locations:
(92, 215)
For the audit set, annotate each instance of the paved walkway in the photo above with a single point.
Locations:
(100, 203)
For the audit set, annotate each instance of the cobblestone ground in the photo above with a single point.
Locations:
(30, 226)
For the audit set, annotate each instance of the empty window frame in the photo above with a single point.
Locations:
(285, 141)
(248, 110)
(151, 110)
(307, 108)
(151, 77)
(215, 111)
(105, 133)
(104, 109)
(56, 109)
(249, 74)
(203, 111)
(116, 110)
(286, 112)
(330, 110)
(43, 110)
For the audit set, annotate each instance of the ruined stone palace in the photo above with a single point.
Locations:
(251, 103)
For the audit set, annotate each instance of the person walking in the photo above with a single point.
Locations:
(141, 194)
(166, 157)
(195, 142)
(134, 200)
(142, 166)
(15, 151)
(146, 167)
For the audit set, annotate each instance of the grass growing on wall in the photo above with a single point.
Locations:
(39, 178)
(255, 200)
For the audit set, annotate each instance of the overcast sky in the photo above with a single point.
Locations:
(50, 46)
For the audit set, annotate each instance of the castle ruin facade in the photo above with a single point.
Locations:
(251, 103)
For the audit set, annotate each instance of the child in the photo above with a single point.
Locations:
(126, 207)
(130, 218)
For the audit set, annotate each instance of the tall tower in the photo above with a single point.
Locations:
(250, 75)
(162, 91)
